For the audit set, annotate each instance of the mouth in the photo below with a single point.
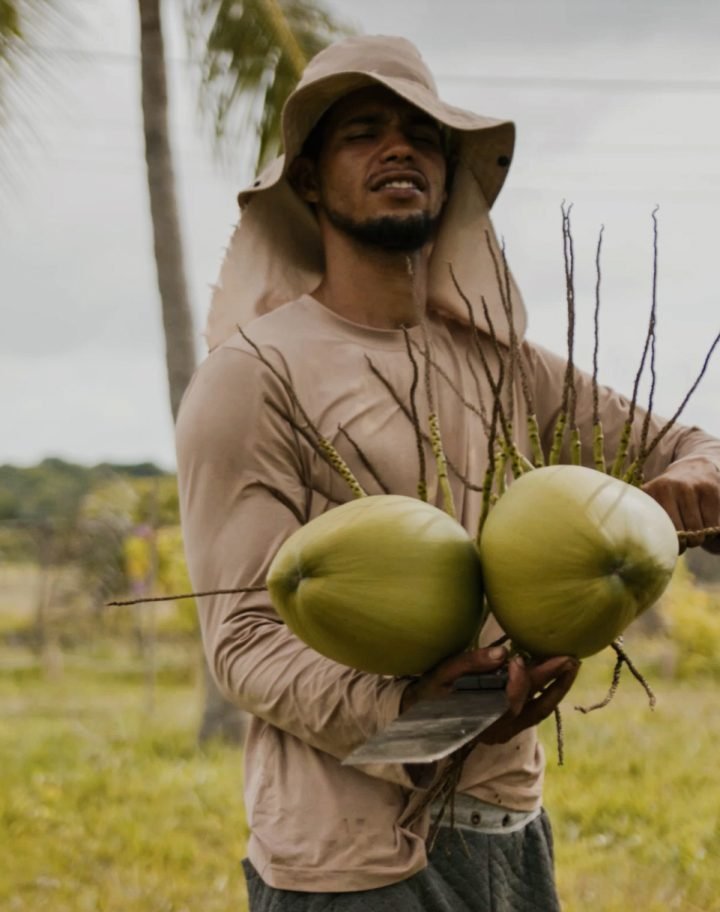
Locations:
(409, 182)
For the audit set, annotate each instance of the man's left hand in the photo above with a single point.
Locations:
(689, 491)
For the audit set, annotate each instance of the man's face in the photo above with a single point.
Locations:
(381, 171)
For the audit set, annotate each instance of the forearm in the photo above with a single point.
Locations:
(269, 672)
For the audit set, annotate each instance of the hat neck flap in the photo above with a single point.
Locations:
(275, 256)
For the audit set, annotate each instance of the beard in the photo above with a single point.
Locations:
(401, 233)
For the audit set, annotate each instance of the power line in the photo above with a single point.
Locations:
(585, 83)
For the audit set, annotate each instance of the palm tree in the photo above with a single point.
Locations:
(253, 54)
(254, 48)
(23, 24)
(169, 260)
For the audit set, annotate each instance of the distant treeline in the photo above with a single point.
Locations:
(54, 488)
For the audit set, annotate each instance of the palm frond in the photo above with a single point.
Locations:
(252, 57)
(28, 28)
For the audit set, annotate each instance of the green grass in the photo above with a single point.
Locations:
(636, 807)
(106, 807)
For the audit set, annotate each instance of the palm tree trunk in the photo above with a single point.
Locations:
(220, 718)
(177, 316)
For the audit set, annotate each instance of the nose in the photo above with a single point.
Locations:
(397, 145)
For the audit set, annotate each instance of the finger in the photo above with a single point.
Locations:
(475, 661)
(543, 672)
(541, 706)
(691, 513)
(709, 497)
(661, 492)
(509, 725)
(518, 690)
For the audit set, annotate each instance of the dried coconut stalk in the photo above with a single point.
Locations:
(422, 480)
(708, 532)
(312, 442)
(566, 417)
(637, 476)
(184, 595)
(495, 384)
(332, 455)
(669, 424)
(435, 435)
(618, 466)
(471, 486)
(617, 670)
(623, 656)
(516, 364)
(364, 459)
(518, 462)
(559, 736)
(480, 410)
(502, 279)
(598, 435)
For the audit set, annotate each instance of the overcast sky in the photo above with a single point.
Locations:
(618, 109)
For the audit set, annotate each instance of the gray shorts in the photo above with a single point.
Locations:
(469, 871)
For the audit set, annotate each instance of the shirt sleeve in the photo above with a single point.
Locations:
(242, 489)
(547, 372)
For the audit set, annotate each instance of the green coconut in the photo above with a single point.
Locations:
(386, 584)
(571, 557)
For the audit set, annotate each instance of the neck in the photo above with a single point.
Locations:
(371, 286)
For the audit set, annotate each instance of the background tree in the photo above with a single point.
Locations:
(252, 53)
(169, 260)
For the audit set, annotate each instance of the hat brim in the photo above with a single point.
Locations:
(485, 144)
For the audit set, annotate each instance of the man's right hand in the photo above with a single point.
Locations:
(533, 690)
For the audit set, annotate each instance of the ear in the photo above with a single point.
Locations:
(302, 175)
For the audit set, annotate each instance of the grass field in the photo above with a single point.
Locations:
(108, 807)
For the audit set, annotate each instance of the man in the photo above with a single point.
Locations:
(342, 258)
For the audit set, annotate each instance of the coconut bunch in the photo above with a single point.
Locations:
(565, 556)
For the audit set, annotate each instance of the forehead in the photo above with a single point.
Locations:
(377, 102)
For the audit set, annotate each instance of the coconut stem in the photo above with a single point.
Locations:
(331, 454)
(558, 438)
(471, 486)
(532, 422)
(617, 646)
(518, 463)
(185, 595)
(637, 475)
(435, 435)
(566, 416)
(619, 662)
(492, 458)
(505, 288)
(621, 456)
(708, 532)
(496, 385)
(538, 456)
(480, 410)
(364, 459)
(422, 479)
(598, 435)
(669, 424)
(599, 448)
(503, 284)
(559, 736)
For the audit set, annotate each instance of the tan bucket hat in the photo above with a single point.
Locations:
(275, 254)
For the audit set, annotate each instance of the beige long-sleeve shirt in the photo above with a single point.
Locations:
(249, 477)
